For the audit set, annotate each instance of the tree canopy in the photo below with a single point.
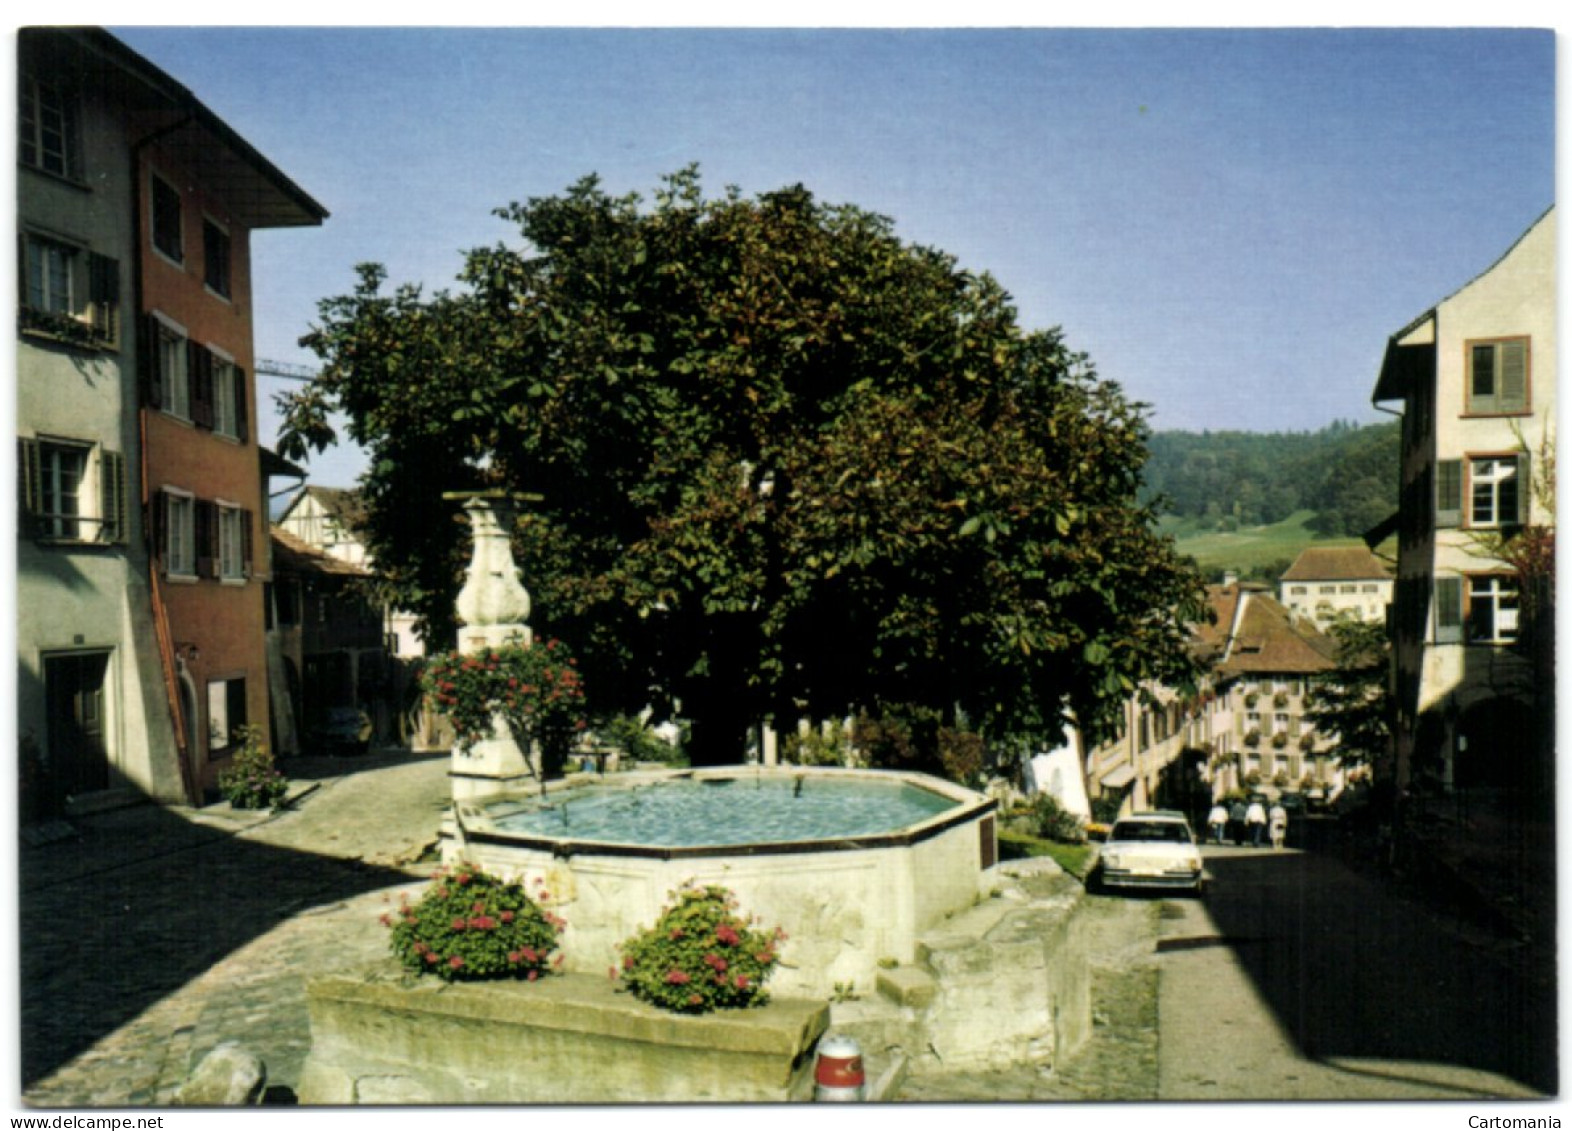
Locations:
(791, 466)
(1347, 474)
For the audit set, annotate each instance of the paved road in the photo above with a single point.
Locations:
(1297, 978)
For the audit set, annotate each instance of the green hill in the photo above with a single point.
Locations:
(1254, 552)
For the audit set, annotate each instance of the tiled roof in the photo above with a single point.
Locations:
(1336, 563)
(292, 555)
(1255, 634)
(1269, 639)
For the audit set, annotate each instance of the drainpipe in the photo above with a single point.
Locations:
(166, 646)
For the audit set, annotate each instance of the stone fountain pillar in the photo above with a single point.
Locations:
(492, 610)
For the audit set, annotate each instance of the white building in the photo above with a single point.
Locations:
(1476, 380)
(1329, 583)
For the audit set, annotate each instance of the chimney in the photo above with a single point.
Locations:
(1230, 578)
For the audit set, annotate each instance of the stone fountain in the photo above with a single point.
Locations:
(493, 610)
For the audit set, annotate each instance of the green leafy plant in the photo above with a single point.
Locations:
(819, 747)
(1052, 821)
(701, 955)
(251, 781)
(471, 926)
(535, 688)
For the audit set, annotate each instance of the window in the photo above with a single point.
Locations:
(68, 291)
(72, 491)
(1494, 492)
(1449, 492)
(1449, 610)
(1327, 589)
(48, 127)
(169, 369)
(1492, 609)
(229, 398)
(1347, 589)
(166, 220)
(215, 258)
(1280, 722)
(1370, 588)
(1497, 378)
(49, 269)
(226, 711)
(179, 534)
(231, 543)
(1299, 590)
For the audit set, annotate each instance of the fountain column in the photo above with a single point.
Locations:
(493, 608)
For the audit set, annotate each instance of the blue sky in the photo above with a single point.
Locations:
(1230, 223)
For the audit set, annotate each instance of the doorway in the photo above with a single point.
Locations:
(74, 700)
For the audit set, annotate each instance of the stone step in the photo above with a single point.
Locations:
(907, 986)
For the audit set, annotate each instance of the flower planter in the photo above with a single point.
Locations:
(384, 1037)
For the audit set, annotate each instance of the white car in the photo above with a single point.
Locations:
(1151, 850)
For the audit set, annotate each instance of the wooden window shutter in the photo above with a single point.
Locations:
(242, 411)
(1525, 490)
(30, 483)
(150, 361)
(103, 292)
(206, 522)
(1514, 376)
(158, 505)
(1449, 610)
(200, 367)
(112, 481)
(1449, 492)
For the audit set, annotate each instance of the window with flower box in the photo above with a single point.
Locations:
(69, 292)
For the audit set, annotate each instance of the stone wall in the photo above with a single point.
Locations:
(388, 1038)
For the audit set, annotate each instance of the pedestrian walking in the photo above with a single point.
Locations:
(1218, 819)
(1255, 821)
(1277, 823)
(1236, 818)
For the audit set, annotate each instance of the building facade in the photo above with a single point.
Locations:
(142, 477)
(1329, 583)
(1475, 380)
(1243, 728)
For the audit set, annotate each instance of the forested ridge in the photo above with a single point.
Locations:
(1347, 473)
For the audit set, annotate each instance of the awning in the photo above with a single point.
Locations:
(1119, 777)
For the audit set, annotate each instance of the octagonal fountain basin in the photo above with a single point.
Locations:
(853, 864)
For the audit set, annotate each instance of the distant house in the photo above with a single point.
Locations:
(327, 636)
(1264, 660)
(329, 519)
(1327, 583)
(142, 554)
(1244, 726)
(1476, 379)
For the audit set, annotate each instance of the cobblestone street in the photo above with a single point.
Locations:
(202, 927)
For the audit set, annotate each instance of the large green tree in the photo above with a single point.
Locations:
(791, 466)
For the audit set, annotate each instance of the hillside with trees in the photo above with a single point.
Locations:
(1346, 474)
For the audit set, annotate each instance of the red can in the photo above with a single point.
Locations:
(838, 1075)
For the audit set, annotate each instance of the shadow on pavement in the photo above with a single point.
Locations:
(136, 903)
(1353, 971)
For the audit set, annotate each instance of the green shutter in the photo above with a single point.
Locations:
(112, 483)
(1525, 491)
(1514, 376)
(1449, 610)
(1449, 492)
(30, 483)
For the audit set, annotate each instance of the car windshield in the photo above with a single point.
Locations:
(1168, 832)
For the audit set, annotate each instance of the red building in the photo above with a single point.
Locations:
(200, 191)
